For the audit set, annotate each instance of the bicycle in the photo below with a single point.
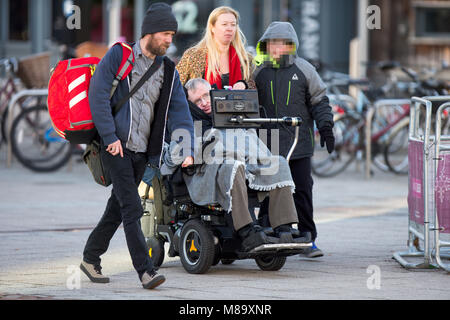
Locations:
(8, 89)
(349, 127)
(349, 132)
(389, 126)
(396, 151)
(35, 143)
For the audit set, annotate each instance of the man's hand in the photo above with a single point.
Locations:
(115, 148)
(326, 136)
(187, 162)
(239, 86)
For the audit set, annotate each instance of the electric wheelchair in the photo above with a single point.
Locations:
(203, 236)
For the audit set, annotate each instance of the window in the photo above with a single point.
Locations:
(430, 25)
(18, 20)
(432, 22)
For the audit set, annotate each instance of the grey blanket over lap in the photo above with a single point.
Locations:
(218, 162)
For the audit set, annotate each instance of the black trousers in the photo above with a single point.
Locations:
(303, 197)
(124, 206)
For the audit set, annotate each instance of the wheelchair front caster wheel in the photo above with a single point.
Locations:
(270, 263)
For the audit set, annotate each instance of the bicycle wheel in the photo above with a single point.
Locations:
(382, 118)
(396, 150)
(346, 134)
(24, 103)
(3, 127)
(34, 142)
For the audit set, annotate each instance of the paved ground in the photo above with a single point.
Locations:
(46, 219)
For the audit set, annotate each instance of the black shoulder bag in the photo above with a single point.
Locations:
(91, 155)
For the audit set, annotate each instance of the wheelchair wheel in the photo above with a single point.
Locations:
(156, 250)
(197, 249)
(270, 263)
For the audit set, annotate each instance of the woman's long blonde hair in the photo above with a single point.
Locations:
(239, 43)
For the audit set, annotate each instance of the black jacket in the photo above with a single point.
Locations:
(199, 115)
(291, 88)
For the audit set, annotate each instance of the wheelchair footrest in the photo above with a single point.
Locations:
(281, 246)
(277, 249)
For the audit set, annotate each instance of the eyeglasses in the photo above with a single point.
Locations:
(203, 99)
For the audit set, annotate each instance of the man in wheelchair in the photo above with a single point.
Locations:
(204, 211)
(227, 170)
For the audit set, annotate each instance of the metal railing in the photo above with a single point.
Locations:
(422, 193)
(440, 148)
(12, 104)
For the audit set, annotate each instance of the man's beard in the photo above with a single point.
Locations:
(154, 49)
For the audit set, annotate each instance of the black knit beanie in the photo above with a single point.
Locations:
(159, 18)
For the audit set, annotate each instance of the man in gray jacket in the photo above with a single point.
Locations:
(289, 86)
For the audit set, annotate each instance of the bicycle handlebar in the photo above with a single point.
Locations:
(10, 63)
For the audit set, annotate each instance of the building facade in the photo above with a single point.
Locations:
(325, 27)
(413, 32)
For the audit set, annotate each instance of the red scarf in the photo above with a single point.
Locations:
(234, 67)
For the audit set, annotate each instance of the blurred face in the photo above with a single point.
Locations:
(279, 47)
(158, 43)
(200, 96)
(225, 28)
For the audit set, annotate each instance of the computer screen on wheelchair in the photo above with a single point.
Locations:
(230, 107)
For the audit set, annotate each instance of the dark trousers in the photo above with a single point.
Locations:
(124, 206)
(303, 198)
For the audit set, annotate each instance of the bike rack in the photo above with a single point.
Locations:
(423, 161)
(351, 102)
(12, 104)
(368, 129)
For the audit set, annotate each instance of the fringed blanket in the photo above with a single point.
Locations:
(218, 162)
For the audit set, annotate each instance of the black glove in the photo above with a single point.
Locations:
(326, 136)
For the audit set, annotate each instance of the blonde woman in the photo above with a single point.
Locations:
(220, 57)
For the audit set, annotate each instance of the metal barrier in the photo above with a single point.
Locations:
(442, 188)
(12, 104)
(422, 217)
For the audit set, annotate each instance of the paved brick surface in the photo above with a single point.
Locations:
(46, 219)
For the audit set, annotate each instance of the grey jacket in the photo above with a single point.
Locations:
(291, 87)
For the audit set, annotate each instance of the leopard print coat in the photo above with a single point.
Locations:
(193, 63)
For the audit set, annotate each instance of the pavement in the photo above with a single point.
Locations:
(46, 220)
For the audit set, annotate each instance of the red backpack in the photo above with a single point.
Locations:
(68, 103)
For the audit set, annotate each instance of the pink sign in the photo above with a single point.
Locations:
(416, 188)
(442, 193)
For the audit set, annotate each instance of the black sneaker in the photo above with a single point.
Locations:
(302, 237)
(93, 272)
(253, 236)
(151, 280)
(285, 233)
